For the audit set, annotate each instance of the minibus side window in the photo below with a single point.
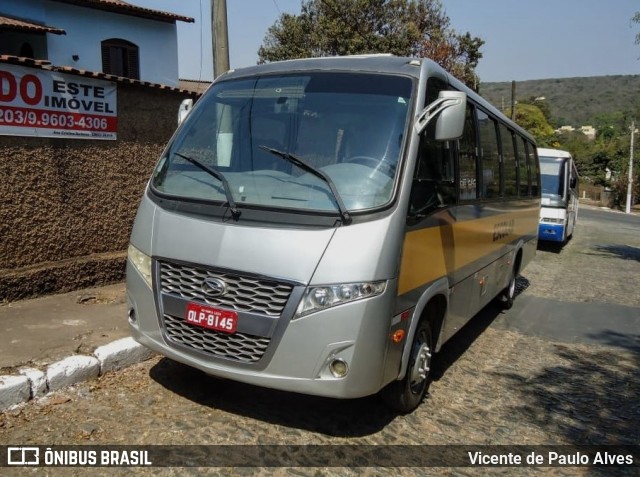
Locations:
(525, 167)
(467, 158)
(535, 169)
(490, 157)
(433, 180)
(509, 164)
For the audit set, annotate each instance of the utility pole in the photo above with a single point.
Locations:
(513, 101)
(630, 183)
(219, 37)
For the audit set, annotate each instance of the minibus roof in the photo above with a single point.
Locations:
(382, 63)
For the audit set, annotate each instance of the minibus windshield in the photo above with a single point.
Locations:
(348, 128)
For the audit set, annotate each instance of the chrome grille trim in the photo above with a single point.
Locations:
(238, 346)
(244, 293)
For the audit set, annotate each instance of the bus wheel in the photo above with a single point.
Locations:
(406, 395)
(509, 293)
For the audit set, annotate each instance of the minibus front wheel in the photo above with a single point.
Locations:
(407, 394)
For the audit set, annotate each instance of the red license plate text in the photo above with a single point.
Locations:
(212, 318)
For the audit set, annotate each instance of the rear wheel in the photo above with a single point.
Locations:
(509, 294)
(407, 394)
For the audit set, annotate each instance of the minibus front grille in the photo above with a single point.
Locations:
(243, 293)
(238, 346)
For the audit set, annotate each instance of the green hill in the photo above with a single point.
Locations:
(573, 101)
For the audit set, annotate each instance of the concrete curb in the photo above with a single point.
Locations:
(34, 383)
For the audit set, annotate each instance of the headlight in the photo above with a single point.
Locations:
(141, 262)
(318, 298)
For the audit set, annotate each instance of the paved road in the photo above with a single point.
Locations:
(546, 372)
(591, 323)
(588, 290)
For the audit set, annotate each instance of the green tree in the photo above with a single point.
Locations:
(531, 118)
(543, 105)
(616, 150)
(636, 19)
(581, 148)
(610, 126)
(416, 28)
(604, 160)
(619, 189)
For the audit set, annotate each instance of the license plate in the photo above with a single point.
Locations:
(212, 318)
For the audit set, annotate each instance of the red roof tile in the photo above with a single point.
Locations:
(197, 86)
(120, 6)
(8, 23)
(46, 65)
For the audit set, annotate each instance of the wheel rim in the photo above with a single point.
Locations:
(512, 286)
(421, 359)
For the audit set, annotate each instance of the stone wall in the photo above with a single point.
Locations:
(67, 206)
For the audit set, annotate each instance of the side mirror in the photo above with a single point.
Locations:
(184, 109)
(449, 111)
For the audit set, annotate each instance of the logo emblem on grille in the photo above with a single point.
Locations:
(214, 287)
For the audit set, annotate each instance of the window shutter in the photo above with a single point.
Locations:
(106, 58)
(120, 57)
(133, 66)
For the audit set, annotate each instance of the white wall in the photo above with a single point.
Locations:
(30, 10)
(87, 27)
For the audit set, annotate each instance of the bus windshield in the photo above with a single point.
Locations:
(350, 127)
(552, 173)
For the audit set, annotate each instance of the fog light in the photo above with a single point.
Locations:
(338, 368)
(132, 315)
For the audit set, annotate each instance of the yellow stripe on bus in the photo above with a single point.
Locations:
(434, 252)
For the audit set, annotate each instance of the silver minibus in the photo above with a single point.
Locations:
(323, 226)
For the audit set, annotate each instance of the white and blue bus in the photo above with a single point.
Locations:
(559, 209)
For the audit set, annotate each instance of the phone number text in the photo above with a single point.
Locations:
(56, 119)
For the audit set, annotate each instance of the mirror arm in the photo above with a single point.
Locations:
(184, 109)
(431, 111)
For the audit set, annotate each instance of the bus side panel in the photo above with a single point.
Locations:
(471, 295)
(474, 246)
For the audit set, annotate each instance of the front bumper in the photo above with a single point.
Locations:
(356, 333)
(551, 232)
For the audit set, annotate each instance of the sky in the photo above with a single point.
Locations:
(524, 39)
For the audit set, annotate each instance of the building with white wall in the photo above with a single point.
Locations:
(588, 131)
(109, 36)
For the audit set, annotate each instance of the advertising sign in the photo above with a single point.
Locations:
(43, 103)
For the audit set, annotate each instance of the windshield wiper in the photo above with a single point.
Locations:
(344, 213)
(235, 212)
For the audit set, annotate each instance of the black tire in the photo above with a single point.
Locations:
(406, 395)
(508, 295)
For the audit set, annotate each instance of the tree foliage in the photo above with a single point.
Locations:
(416, 28)
(604, 161)
(601, 161)
(532, 118)
(636, 19)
